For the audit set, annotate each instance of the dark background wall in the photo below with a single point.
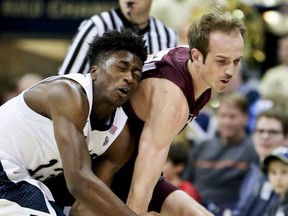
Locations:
(35, 34)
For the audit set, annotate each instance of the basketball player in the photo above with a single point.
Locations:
(175, 85)
(57, 125)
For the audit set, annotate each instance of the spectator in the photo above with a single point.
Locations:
(276, 166)
(273, 84)
(180, 22)
(28, 80)
(129, 14)
(16, 86)
(256, 194)
(217, 166)
(9, 91)
(174, 166)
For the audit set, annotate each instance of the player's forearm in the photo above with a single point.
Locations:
(137, 202)
(92, 194)
(147, 170)
(95, 198)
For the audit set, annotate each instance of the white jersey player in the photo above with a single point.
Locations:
(60, 123)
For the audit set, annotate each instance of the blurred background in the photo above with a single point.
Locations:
(35, 34)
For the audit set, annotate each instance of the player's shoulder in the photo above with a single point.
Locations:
(157, 56)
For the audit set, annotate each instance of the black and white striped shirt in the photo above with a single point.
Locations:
(156, 34)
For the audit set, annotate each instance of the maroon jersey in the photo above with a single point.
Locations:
(170, 64)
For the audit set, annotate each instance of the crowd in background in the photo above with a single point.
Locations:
(234, 133)
(228, 142)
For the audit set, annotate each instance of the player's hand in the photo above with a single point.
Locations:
(152, 213)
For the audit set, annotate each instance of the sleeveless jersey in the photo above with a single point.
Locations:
(171, 64)
(27, 138)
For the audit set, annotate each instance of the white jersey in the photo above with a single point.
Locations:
(28, 137)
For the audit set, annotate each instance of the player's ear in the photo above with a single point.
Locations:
(196, 55)
(93, 72)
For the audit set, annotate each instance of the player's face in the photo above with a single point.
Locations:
(278, 176)
(222, 60)
(267, 136)
(117, 77)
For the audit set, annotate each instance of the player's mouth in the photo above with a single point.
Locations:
(225, 81)
(124, 91)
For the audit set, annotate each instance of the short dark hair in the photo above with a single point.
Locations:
(114, 40)
(178, 153)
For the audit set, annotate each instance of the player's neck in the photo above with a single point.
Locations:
(103, 112)
(199, 84)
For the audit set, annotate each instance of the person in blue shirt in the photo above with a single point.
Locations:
(276, 167)
(256, 193)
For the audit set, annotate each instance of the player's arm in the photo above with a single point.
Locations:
(67, 106)
(167, 114)
(115, 157)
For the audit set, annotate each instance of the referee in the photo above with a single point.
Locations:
(130, 14)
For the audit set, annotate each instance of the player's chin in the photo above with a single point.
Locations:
(120, 98)
(120, 101)
(220, 89)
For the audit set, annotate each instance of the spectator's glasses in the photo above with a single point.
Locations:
(270, 133)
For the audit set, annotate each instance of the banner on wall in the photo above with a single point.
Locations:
(44, 17)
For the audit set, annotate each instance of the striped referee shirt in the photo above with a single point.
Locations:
(156, 34)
